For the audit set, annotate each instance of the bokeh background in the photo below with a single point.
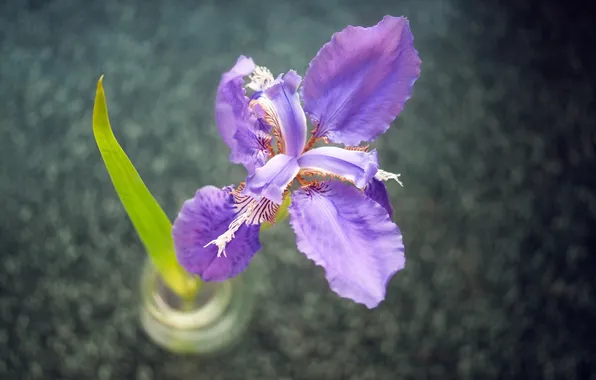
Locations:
(496, 149)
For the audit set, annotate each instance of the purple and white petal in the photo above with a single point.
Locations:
(283, 112)
(203, 219)
(350, 236)
(359, 81)
(356, 166)
(271, 180)
(237, 124)
(377, 191)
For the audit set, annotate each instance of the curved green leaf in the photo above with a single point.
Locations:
(149, 220)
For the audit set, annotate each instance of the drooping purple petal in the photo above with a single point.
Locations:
(272, 179)
(284, 113)
(356, 166)
(237, 125)
(359, 81)
(377, 191)
(201, 220)
(350, 236)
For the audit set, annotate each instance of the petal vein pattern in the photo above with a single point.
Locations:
(249, 211)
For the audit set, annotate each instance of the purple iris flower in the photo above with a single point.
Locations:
(353, 89)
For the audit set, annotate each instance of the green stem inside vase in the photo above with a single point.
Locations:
(188, 302)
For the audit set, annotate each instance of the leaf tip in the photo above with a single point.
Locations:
(100, 82)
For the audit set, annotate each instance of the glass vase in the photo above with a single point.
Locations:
(210, 323)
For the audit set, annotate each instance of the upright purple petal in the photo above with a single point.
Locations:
(201, 220)
(359, 81)
(351, 237)
(355, 166)
(377, 191)
(271, 180)
(283, 112)
(237, 124)
(231, 102)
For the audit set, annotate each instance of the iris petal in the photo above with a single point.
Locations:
(271, 180)
(237, 125)
(284, 114)
(350, 236)
(201, 220)
(356, 166)
(359, 81)
(252, 149)
(377, 191)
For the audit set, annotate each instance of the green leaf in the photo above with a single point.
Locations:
(282, 213)
(149, 220)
